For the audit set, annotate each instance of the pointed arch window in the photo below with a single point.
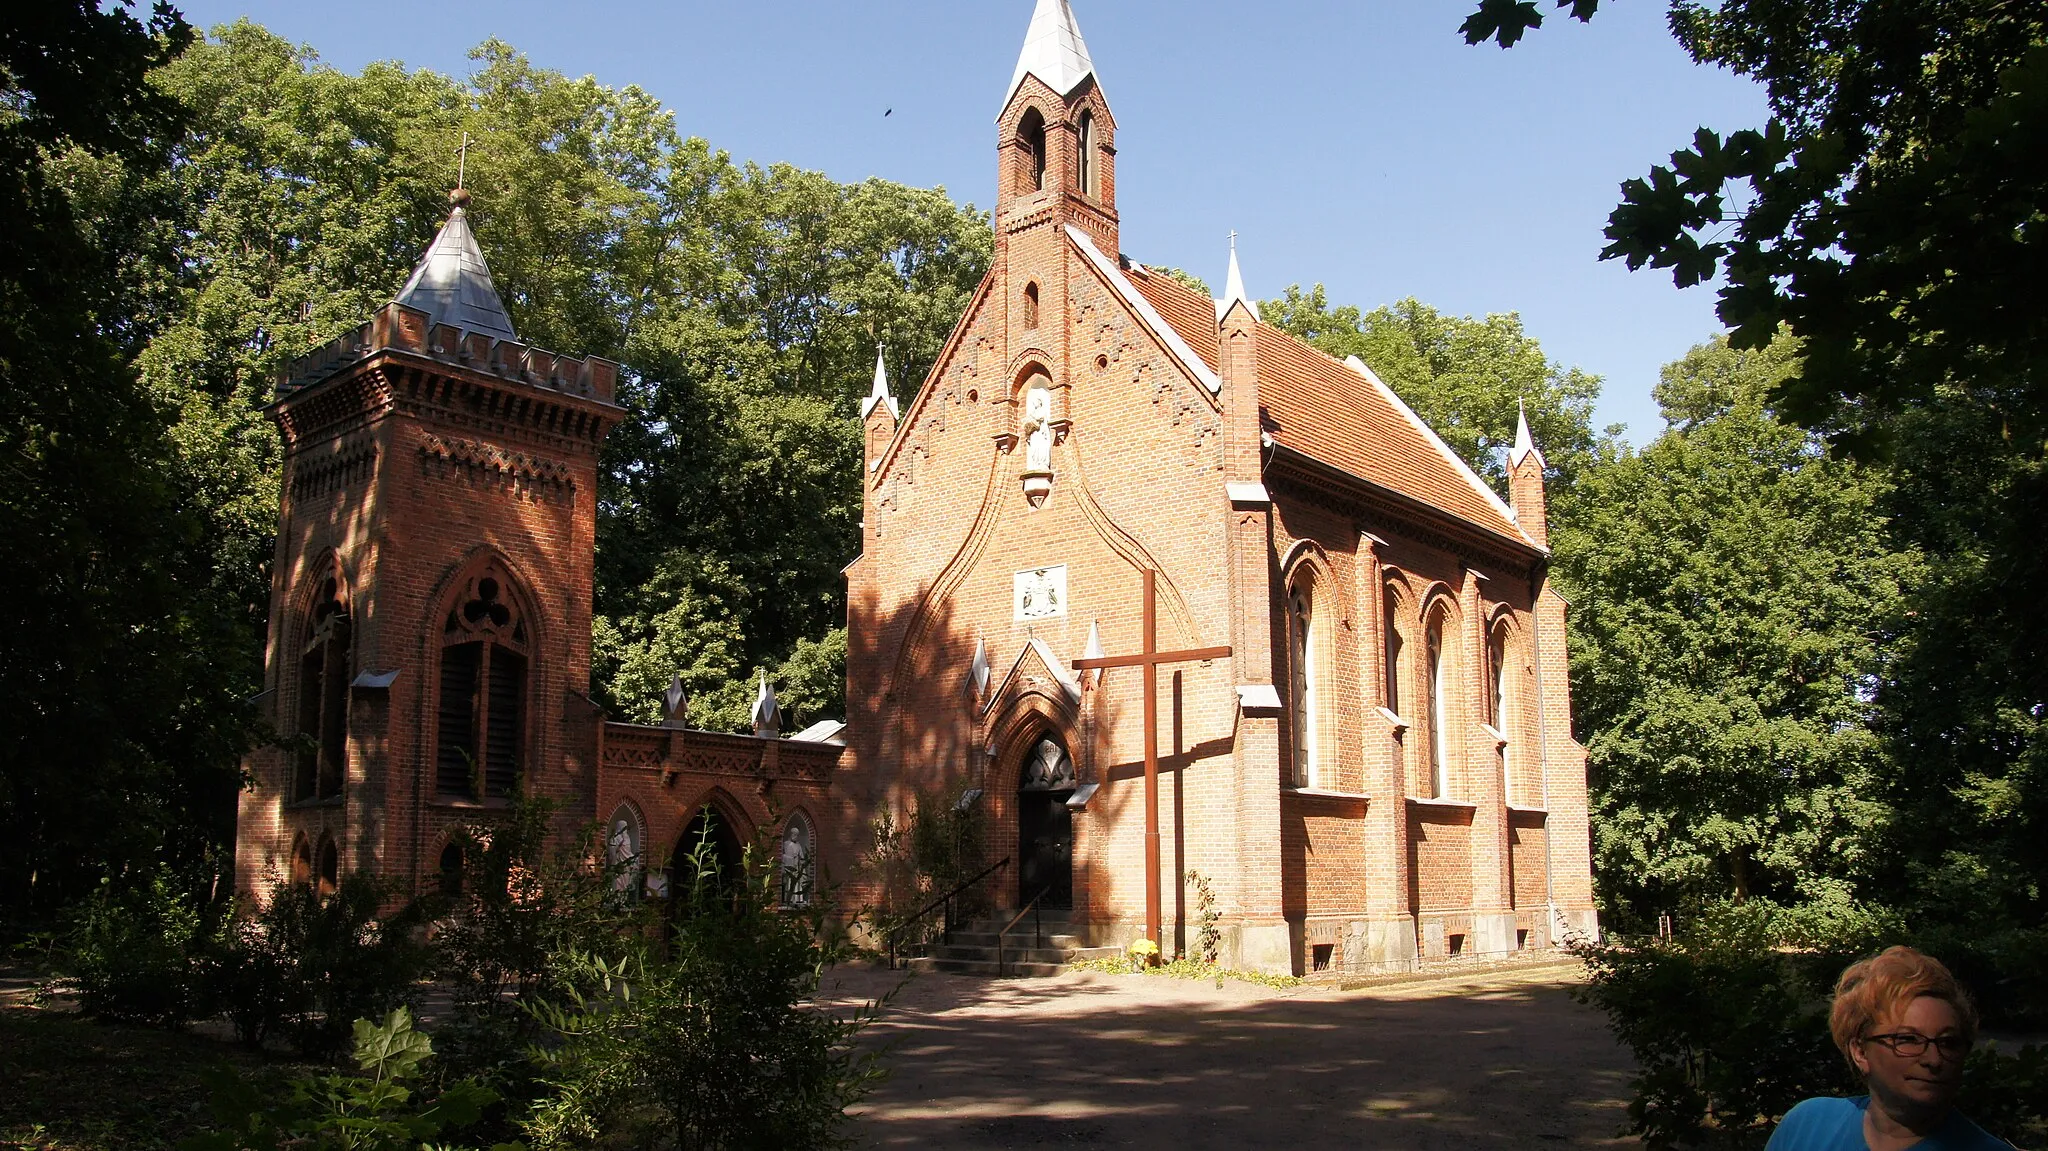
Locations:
(799, 862)
(328, 880)
(1394, 654)
(1304, 657)
(302, 861)
(1435, 705)
(450, 871)
(481, 729)
(322, 761)
(1031, 142)
(1087, 158)
(1030, 306)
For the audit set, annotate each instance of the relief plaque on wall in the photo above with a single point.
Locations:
(1040, 593)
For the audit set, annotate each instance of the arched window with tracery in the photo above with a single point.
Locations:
(1304, 657)
(1436, 705)
(1031, 141)
(322, 761)
(481, 729)
(1086, 171)
(799, 862)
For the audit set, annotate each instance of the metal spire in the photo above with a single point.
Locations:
(767, 712)
(453, 284)
(1525, 444)
(1233, 287)
(879, 394)
(1053, 50)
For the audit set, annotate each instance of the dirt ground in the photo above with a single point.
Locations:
(1490, 1060)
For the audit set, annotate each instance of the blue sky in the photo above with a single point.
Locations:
(1361, 144)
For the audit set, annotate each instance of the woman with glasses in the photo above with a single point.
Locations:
(1905, 1025)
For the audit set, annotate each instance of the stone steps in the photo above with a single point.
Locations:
(972, 950)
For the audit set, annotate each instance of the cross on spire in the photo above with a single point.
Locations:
(462, 164)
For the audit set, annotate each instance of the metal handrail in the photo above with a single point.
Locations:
(945, 901)
(1037, 932)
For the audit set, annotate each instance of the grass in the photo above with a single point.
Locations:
(71, 1084)
(1185, 968)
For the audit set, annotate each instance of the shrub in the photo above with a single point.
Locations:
(376, 1110)
(1728, 1024)
(1209, 937)
(132, 951)
(937, 847)
(711, 1045)
(309, 964)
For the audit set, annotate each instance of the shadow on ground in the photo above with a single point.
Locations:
(1093, 1060)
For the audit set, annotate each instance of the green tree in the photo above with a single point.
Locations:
(1736, 600)
(1891, 215)
(122, 675)
(714, 1044)
(1464, 377)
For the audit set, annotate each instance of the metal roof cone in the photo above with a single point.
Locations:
(1233, 288)
(1053, 50)
(879, 394)
(453, 284)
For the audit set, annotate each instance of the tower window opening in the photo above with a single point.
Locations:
(1086, 170)
(1030, 306)
(1031, 138)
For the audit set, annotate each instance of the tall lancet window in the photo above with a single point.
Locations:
(1302, 627)
(1031, 306)
(1031, 140)
(482, 710)
(1395, 643)
(1437, 706)
(1498, 704)
(323, 696)
(1086, 170)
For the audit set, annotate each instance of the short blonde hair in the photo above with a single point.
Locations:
(1883, 986)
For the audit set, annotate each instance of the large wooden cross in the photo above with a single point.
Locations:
(1150, 659)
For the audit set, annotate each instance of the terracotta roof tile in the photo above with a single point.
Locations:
(1330, 412)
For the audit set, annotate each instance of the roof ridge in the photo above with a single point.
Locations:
(1167, 334)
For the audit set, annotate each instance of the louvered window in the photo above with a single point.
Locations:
(480, 742)
(321, 764)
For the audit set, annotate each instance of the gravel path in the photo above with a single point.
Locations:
(1487, 1060)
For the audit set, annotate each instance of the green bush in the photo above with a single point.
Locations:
(1728, 1024)
(377, 1110)
(937, 847)
(132, 953)
(308, 964)
(711, 1044)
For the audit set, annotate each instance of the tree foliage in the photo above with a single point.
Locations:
(1736, 598)
(122, 673)
(1892, 215)
(1465, 377)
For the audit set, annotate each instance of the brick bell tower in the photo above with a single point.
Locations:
(1056, 169)
(429, 645)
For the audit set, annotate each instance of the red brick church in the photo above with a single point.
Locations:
(1362, 730)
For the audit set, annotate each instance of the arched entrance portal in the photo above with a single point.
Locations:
(1045, 827)
(715, 837)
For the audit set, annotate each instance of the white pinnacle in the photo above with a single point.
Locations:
(1525, 444)
(977, 672)
(767, 712)
(1233, 288)
(879, 394)
(1053, 50)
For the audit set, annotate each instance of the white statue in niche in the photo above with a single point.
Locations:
(1038, 439)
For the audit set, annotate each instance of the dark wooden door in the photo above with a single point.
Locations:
(1045, 845)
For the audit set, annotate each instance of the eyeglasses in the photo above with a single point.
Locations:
(1909, 1045)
